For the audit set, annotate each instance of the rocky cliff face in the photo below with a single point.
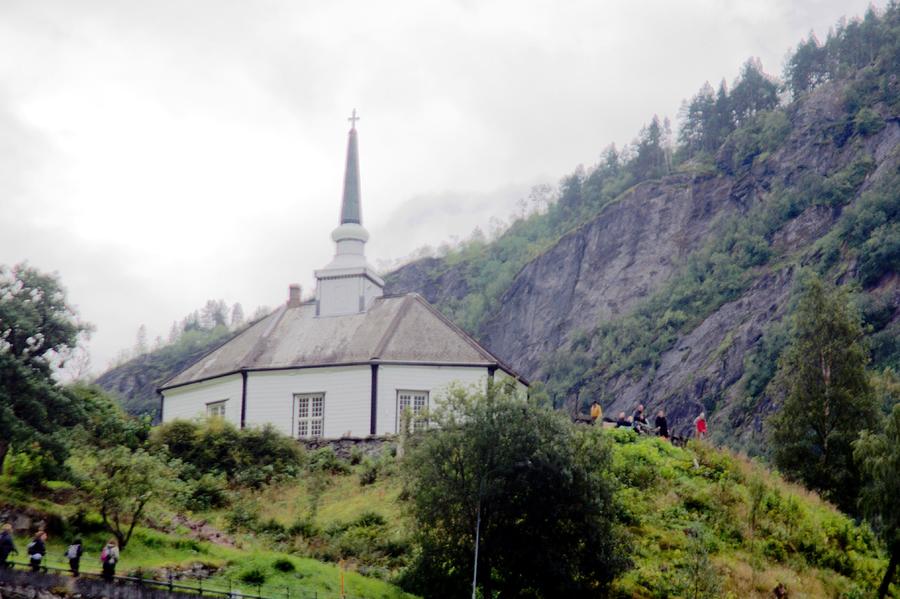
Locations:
(600, 270)
(603, 269)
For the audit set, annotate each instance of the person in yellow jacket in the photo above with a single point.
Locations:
(596, 412)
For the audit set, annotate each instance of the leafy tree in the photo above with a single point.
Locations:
(878, 456)
(105, 424)
(38, 330)
(828, 399)
(537, 490)
(122, 483)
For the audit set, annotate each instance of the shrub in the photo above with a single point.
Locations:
(283, 565)
(867, 122)
(304, 528)
(255, 576)
(356, 456)
(369, 473)
(243, 516)
(369, 519)
(325, 460)
(249, 457)
(207, 492)
(774, 550)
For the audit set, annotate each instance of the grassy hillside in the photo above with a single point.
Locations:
(238, 562)
(701, 519)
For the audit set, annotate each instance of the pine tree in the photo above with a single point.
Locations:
(140, 343)
(878, 456)
(828, 400)
(753, 92)
(237, 316)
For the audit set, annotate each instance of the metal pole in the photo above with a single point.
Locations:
(477, 539)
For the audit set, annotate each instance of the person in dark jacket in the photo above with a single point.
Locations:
(109, 557)
(622, 421)
(73, 553)
(37, 549)
(662, 425)
(638, 417)
(6, 546)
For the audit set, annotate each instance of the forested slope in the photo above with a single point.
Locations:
(674, 292)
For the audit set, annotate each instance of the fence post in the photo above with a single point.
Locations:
(170, 582)
(200, 585)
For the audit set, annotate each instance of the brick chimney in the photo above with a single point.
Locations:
(293, 296)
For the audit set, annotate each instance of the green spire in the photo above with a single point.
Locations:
(350, 209)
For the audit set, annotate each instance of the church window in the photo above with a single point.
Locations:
(310, 411)
(216, 409)
(416, 402)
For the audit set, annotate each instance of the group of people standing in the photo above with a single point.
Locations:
(638, 421)
(37, 550)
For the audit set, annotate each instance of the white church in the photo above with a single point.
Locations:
(347, 363)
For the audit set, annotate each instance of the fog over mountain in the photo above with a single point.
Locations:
(160, 154)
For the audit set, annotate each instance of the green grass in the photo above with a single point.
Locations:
(151, 551)
(756, 530)
(673, 495)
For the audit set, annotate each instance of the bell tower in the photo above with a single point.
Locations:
(348, 284)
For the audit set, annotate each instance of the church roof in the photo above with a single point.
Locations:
(396, 329)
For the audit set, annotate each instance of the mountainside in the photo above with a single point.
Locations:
(670, 292)
(663, 274)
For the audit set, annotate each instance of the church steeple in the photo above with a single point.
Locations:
(350, 208)
(348, 284)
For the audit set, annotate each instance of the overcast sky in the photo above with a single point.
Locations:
(158, 154)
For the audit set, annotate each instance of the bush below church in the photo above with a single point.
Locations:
(248, 458)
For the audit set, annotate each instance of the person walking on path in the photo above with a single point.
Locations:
(662, 425)
(37, 549)
(74, 553)
(109, 557)
(6, 546)
(700, 425)
(596, 412)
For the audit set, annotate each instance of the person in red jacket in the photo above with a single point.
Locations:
(700, 425)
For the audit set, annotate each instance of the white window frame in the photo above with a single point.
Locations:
(417, 400)
(309, 415)
(216, 409)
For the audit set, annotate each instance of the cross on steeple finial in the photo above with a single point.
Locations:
(353, 118)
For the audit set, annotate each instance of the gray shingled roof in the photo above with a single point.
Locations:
(395, 329)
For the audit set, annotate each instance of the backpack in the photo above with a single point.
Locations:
(72, 552)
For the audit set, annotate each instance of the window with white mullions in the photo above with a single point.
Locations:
(416, 402)
(216, 409)
(310, 413)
